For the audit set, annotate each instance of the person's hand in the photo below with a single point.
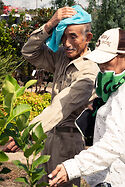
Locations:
(11, 146)
(60, 14)
(58, 176)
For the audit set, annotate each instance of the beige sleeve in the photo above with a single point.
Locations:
(37, 53)
(79, 93)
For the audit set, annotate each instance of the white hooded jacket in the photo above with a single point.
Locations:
(105, 160)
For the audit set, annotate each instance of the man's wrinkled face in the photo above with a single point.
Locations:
(74, 41)
(117, 65)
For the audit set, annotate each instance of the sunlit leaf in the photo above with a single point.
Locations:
(8, 102)
(30, 83)
(13, 81)
(7, 87)
(20, 109)
(20, 91)
(3, 157)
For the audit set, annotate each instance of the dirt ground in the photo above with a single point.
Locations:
(8, 179)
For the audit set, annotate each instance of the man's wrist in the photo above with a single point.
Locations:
(48, 28)
(43, 32)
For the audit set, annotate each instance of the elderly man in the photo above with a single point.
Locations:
(104, 162)
(73, 79)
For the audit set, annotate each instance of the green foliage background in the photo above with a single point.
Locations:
(61, 3)
(106, 14)
(6, 42)
(6, 66)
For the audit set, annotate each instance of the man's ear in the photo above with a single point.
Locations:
(89, 37)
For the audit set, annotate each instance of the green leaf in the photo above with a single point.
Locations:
(39, 170)
(20, 109)
(2, 114)
(4, 139)
(27, 131)
(29, 151)
(8, 101)
(3, 157)
(20, 91)
(38, 174)
(7, 87)
(42, 159)
(22, 121)
(19, 142)
(39, 132)
(30, 83)
(22, 179)
(13, 81)
(5, 170)
(39, 149)
(9, 132)
(2, 123)
(20, 165)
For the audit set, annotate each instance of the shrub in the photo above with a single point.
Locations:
(7, 66)
(37, 102)
(6, 41)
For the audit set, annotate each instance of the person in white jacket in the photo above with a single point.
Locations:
(104, 162)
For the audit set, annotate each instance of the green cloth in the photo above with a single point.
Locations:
(108, 82)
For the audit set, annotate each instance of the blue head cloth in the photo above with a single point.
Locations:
(80, 17)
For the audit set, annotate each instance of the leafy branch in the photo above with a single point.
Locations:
(14, 122)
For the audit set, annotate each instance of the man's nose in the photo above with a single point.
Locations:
(67, 43)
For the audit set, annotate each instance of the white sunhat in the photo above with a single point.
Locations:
(108, 46)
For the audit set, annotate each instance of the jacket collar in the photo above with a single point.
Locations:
(79, 62)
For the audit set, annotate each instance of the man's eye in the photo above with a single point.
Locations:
(73, 37)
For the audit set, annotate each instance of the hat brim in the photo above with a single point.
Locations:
(99, 56)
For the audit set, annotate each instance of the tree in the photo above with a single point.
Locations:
(61, 3)
(106, 14)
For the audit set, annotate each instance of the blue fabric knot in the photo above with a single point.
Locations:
(80, 17)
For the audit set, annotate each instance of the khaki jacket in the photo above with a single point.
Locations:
(73, 81)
